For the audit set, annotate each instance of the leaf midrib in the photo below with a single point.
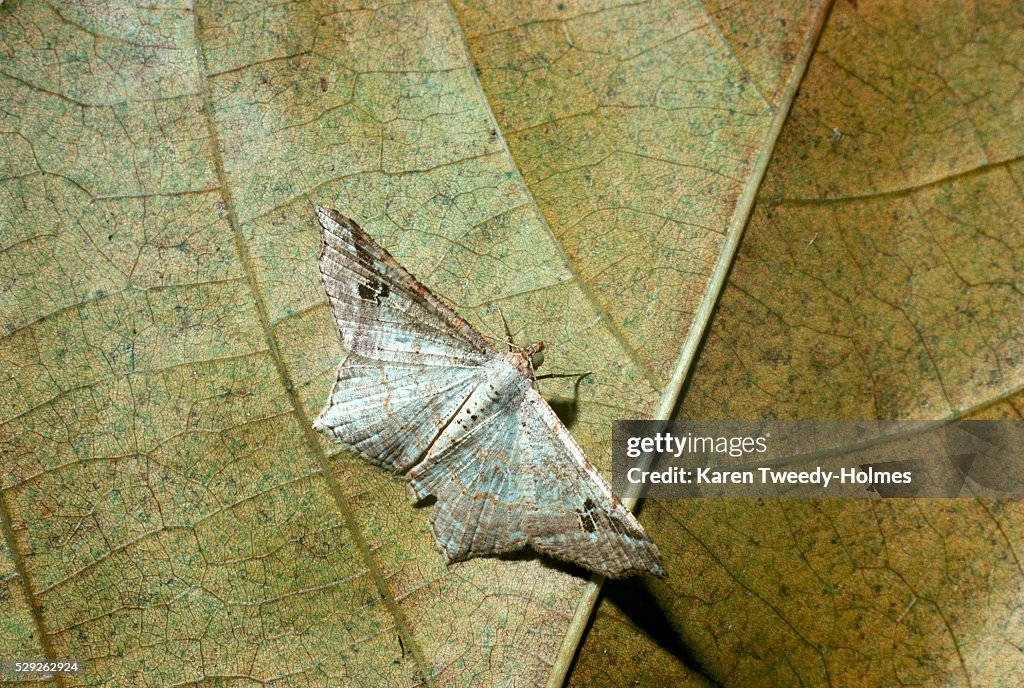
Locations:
(539, 217)
(49, 653)
(308, 433)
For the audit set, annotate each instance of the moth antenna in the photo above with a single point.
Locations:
(508, 332)
(487, 332)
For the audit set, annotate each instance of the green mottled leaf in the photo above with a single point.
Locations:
(169, 516)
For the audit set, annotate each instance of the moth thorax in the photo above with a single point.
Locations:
(520, 362)
(527, 359)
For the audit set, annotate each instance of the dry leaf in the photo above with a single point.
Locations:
(168, 514)
(879, 276)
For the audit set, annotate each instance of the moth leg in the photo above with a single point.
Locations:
(576, 386)
(579, 376)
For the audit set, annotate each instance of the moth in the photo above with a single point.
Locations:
(423, 393)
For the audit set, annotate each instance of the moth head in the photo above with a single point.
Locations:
(536, 353)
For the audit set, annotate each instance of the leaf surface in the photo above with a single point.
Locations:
(169, 516)
(879, 277)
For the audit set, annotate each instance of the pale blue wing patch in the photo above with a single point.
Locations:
(479, 488)
(393, 413)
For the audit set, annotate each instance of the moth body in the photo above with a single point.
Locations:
(503, 383)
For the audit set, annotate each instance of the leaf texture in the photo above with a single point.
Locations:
(170, 517)
(879, 277)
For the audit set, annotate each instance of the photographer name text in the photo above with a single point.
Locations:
(767, 476)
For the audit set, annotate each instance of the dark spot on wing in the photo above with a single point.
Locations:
(373, 288)
(587, 516)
